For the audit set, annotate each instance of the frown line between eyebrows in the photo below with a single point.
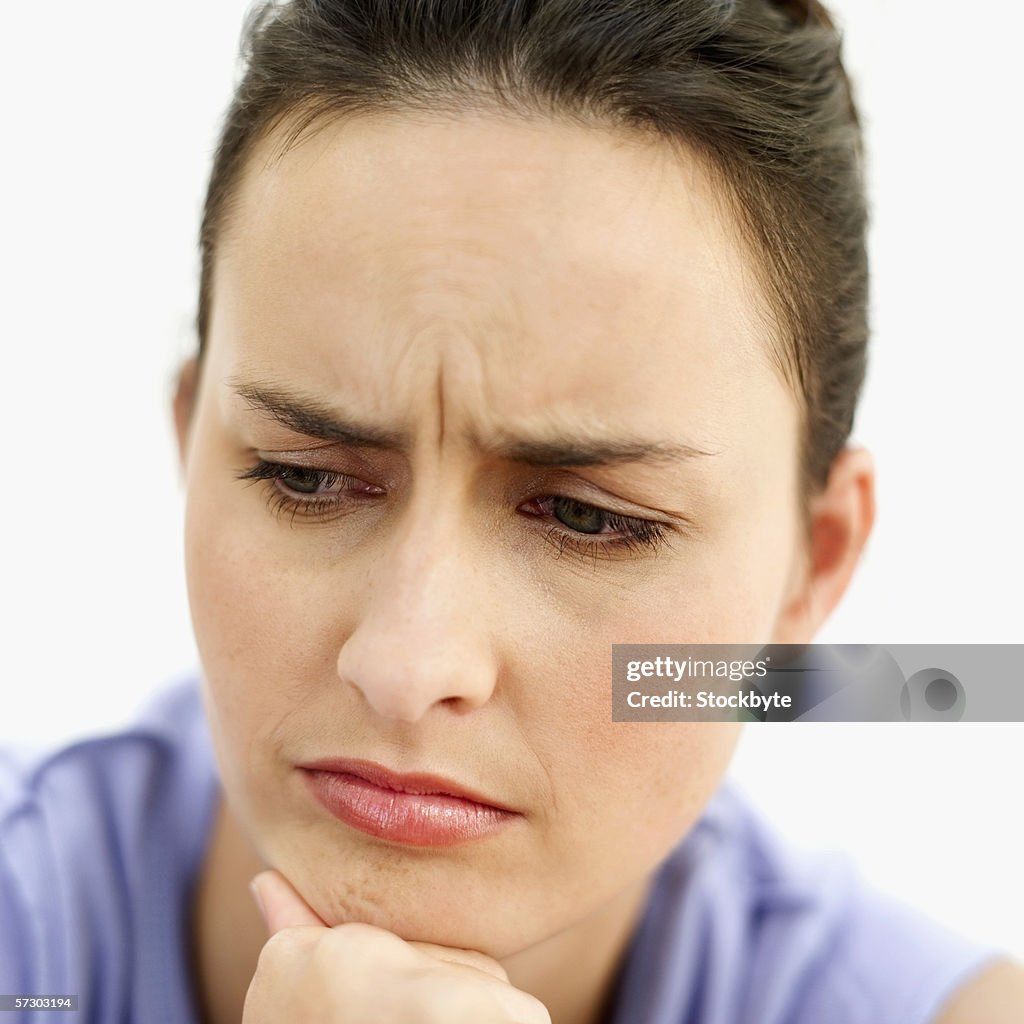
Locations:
(310, 417)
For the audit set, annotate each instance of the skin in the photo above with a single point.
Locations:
(456, 280)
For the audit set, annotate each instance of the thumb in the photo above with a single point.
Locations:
(280, 904)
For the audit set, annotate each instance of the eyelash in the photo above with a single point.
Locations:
(634, 534)
(314, 506)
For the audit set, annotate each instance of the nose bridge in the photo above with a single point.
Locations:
(426, 565)
(421, 636)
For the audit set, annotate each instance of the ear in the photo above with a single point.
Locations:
(184, 404)
(841, 517)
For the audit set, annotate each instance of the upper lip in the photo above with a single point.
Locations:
(421, 783)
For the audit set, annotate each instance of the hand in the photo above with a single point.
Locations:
(356, 973)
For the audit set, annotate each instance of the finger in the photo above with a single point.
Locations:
(464, 957)
(280, 903)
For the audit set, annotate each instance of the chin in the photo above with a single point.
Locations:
(414, 904)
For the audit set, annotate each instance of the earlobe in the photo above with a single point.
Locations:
(184, 404)
(841, 519)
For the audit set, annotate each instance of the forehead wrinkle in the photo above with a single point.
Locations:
(557, 445)
(656, 184)
(440, 405)
(428, 309)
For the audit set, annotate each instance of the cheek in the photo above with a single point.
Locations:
(241, 603)
(253, 604)
(256, 624)
(641, 785)
(623, 793)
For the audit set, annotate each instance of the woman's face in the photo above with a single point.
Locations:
(512, 314)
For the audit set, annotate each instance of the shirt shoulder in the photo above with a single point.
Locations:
(889, 963)
(100, 841)
(741, 927)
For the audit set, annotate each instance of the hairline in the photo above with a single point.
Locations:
(299, 122)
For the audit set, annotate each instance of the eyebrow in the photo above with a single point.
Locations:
(312, 418)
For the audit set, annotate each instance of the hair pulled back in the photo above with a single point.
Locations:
(754, 88)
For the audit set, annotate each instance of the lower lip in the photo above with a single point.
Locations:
(416, 819)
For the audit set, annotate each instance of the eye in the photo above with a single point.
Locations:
(308, 481)
(593, 531)
(586, 529)
(313, 493)
(578, 516)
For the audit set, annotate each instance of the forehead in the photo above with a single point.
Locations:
(572, 264)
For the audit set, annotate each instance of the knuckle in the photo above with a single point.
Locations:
(539, 1014)
(520, 1007)
(467, 1000)
(362, 941)
(275, 948)
(285, 946)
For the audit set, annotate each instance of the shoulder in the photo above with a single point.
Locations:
(102, 774)
(84, 825)
(995, 995)
(888, 961)
(799, 937)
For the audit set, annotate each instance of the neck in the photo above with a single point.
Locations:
(573, 973)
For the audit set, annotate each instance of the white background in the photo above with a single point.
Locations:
(110, 117)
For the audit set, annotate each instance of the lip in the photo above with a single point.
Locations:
(412, 808)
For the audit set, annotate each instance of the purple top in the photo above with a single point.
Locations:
(102, 840)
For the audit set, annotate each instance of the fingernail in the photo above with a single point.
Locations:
(254, 889)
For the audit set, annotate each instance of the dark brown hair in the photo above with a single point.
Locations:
(755, 88)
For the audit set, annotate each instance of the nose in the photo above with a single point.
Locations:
(422, 638)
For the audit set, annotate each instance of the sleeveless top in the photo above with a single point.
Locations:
(102, 841)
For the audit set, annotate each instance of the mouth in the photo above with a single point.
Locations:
(414, 809)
